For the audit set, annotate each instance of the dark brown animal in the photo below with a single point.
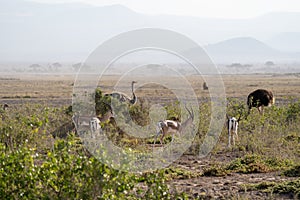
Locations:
(205, 87)
(5, 106)
(260, 98)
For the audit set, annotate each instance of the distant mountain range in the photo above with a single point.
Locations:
(247, 49)
(35, 32)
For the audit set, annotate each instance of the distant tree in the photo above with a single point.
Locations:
(236, 65)
(153, 67)
(247, 65)
(56, 66)
(82, 67)
(18, 69)
(50, 67)
(76, 66)
(35, 67)
(269, 63)
(239, 65)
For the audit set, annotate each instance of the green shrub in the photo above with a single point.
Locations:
(288, 187)
(18, 174)
(291, 188)
(179, 173)
(67, 172)
(293, 172)
(293, 111)
(102, 103)
(215, 170)
(253, 163)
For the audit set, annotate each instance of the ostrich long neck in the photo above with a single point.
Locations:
(133, 100)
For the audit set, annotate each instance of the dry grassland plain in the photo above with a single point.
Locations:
(58, 89)
(225, 173)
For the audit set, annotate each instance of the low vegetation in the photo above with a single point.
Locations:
(250, 163)
(293, 171)
(34, 165)
(290, 188)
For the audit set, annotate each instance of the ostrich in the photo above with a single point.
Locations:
(260, 98)
(123, 97)
(205, 87)
(170, 126)
(232, 125)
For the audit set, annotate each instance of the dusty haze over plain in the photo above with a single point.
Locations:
(69, 30)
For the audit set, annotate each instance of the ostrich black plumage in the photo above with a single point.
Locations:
(260, 98)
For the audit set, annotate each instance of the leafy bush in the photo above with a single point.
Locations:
(291, 188)
(173, 111)
(139, 115)
(293, 111)
(32, 166)
(67, 172)
(253, 163)
(293, 172)
(18, 174)
(215, 170)
(288, 187)
(102, 103)
(179, 173)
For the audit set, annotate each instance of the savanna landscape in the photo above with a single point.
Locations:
(129, 99)
(43, 157)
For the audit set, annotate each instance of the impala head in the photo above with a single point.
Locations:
(188, 121)
(191, 113)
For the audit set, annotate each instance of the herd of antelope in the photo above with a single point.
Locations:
(258, 99)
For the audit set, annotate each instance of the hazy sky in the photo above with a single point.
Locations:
(201, 8)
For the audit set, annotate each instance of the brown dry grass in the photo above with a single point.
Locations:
(53, 87)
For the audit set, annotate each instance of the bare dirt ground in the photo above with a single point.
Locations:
(58, 90)
(225, 187)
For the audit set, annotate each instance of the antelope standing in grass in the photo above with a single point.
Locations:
(171, 127)
(260, 98)
(232, 125)
(94, 123)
